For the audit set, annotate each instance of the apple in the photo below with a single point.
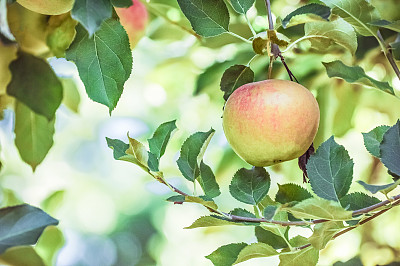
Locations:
(270, 121)
(29, 29)
(134, 19)
(47, 7)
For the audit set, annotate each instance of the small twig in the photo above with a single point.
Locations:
(291, 76)
(388, 53)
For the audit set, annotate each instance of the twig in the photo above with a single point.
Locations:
(388, 53)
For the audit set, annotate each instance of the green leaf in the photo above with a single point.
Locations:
(61, 33)
(291, 192)
(139, 152)
(396, 48)
(373, 139)
(269, 212)
(355, 74)
(21, 255)
(324, 34)
(208, 18)
(208, 221)
(226, 255)
(255, 250)
(357, 200)
(242, 212)
(71, 96)
(390, 149)
(158, 143)
(49, 244)
(385, 189)
(356, 12)
(267, 237)
(91, 13)
(307, 256)
(39, 89)
(33, 135)
(210, 75)
(104, 61)
(330, 170)
(324, 232)
(121, 3)
(307, 13)
(394, 26)
(209, 203)
(207, 181)
(234, 77)
(22, 225)
(242, 6)
(250, 185)
(192, 152)
(316, 208)
(119, 149)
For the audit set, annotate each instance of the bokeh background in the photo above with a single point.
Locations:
(112, 213)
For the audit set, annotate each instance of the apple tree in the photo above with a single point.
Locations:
(288, 90)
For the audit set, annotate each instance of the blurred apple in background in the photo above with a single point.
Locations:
(47, 7)
(270, 121)
(134, 19)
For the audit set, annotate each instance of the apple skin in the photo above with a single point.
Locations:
(270, 121)
(47, 7)
(134, 19)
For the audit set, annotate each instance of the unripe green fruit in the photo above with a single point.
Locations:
(47, 7)
(270, 121)
(134, 19)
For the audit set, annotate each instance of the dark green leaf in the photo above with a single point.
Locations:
(192, 152)
(317, 208)
(22, 225)
(33, 135)
(373, 139)
(323, 34)
(158, 143)
(270, 238)
(356, 12)
(307, 13)
(396, 48)
(307, 256)
(121, 3)
(226, 255)
(207, 181)
(242, 6)
(357, 200)
(291, 192)
(91, 13)
(355, 74)
(330, 170)
(21, 255)
(250, 185)
(118, 146)
(176, 199)
(208, 18)
(390, 149)
(324, 232)
(269, 212)
(242, 213)
(104, 61)
(210, 76)
(234, 77)
(379, 188)
(255, 250)
(35, 84)
(394, 26)
(356, 261)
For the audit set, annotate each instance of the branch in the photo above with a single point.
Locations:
(388, 53)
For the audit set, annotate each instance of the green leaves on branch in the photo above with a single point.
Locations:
(35, 84)
(307, 13)
(385, 189)
(234, 77)
(357, 200)
(22, 225)
(355, 74)
(330, 171)
(373, 139)
(91, 13)
(359, 13)
(104, 61)
(192, 152)
(208, 18)
(250, 185)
